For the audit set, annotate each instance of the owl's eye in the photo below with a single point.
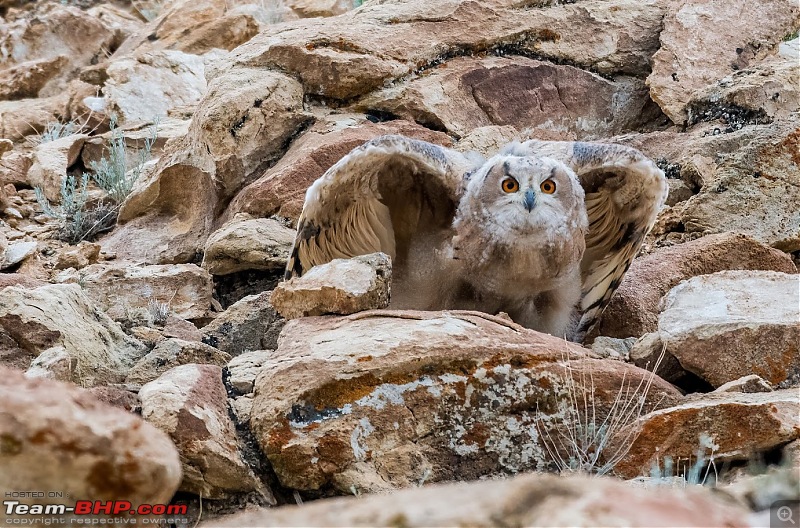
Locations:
(548, 186)
(510, 185)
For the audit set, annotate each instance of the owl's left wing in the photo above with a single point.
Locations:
(624, 193)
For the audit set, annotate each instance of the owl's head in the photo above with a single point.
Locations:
(515, 196)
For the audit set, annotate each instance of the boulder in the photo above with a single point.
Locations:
(281, 190)
(749, 384)
(387, 399)
(726, 426)
(704, 41)
(25, 117)
(244, 369)
(61, 319)
(27, 79)
(634, 309)
(761, 93)
(55, 30)
(190, 404)
(79, 256)
(119, 287)
(51, 161)
(743, 180)
(16, 252)
(355, 53)
(248, 243)
(171, 353)
(341, 286)
(58, 437)
(546, 99)
(241, 125)
(145, 87)
(524, 500)
(249, 324)
(730, 324)
(192, 26)
(319, 8)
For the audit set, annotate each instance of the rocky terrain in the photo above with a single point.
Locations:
(155, 156)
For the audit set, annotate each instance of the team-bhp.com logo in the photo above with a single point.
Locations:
(117, 512)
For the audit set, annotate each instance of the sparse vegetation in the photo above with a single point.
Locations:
(583, 439)
(78, 219)
(690, 473)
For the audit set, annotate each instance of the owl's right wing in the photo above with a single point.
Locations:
(378, 198)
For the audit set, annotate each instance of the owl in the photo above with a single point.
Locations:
(543, 231)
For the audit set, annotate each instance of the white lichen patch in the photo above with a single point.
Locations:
(361, 431)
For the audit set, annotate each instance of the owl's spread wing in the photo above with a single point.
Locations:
(624, 193)
(377, 198)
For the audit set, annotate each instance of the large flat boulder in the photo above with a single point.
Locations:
(387, 399)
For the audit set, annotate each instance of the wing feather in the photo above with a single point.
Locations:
(624, 193)
(377, 198)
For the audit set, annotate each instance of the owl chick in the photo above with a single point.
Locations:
(543, 231)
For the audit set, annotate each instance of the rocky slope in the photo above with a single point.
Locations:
(152, 329)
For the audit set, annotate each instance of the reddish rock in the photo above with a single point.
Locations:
(634, 309)
(281, 190)
(524, 500)
(190, 404)
(729, 426)
(55, 436)
(387, 399)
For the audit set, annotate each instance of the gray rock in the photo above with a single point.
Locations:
(170, 353)
(249, 324)
(190, 404)
(730, 324)
(342, 286)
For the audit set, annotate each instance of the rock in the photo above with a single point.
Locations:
(748, 384)
(649, 353)
(62, 316)
(613, 348)
(17, 279)
(185, 289)
(341, 286)
(189, 403)
(25, 117)
(761, 93)
(170, 353)
(633, 311)
(59, 437)
(467, 93)
(249, 324)
(744, 181)
(144, 88)
(51, 161)
(257, 243)
(181, 329)
(727, 426)
(388, 399)
(244, 368)
(559, 501)
(117, 397)
(27, 79)
(704, 41)
(135, 136)
(55, 30)
(241, 125)
(196, 27)
(281, 190)
(730, 324)
(79, 256)
(355, 53)
(15, 253)
(319, 8)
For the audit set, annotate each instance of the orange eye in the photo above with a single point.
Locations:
(510, 185)
(548, 186)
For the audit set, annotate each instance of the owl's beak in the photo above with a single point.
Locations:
(530, 200)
